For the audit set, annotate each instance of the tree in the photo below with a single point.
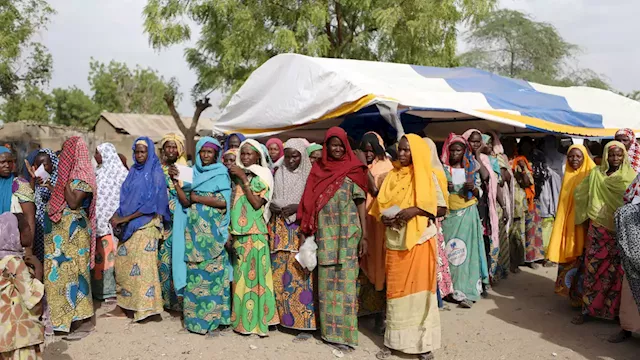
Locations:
(510, 43)
(72, 107)
(31, 104)
(23, 61)
(116, 88)
(238, 36)
(634, 95)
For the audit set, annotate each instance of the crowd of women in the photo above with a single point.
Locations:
(393, 231)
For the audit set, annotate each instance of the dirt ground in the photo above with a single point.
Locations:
(522, 319)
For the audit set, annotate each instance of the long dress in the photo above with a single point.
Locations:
(338, 236)
(518, 228)
(21, 331)
(207, 297)
(67, 278)
(464, 243)
(138, 283)
(254, 302)
(170, 299)
(292, 285)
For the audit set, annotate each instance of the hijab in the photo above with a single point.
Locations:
(144, 190)
(567, 238)
(109, 177)
(600, 195)
(225, 148)
(9, 236)
(289, 185)
(634, 149)
(280, 147)
(437, 168)
(381, 165)
(260, 170)
(179, 140)
(74, 164)
(326, 177)
(411, 186)
(6, 187)
(313, 147)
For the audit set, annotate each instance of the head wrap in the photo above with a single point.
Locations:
(410, 186)
(9, 236)
(42, 196)
(179, 140)
(313, 147)
(373, 139)
(144, 190)
(289, 185)
(568, 239)
(6, 185)
(470, 165)
(326, 177)
(109, 177)
(600, 195)
(280, 147)
(226, 140)
(437, 168)
(380, 166)
(74, 164)
(634, 149)
(260, 170)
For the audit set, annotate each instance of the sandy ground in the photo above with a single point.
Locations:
(522, 319)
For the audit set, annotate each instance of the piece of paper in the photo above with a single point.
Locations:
(458, 177)
(42, 173)
(636, 200)
(185, 174)
(391, 212)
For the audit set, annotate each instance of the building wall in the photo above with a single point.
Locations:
(105, 132)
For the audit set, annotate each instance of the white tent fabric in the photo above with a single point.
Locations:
(291, 90)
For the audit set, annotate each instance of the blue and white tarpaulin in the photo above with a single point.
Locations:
(290, 91)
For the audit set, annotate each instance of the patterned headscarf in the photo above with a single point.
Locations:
(109, 177)
(42, 196)
(470, 165)
(289, 185)
(634, 149)
(179, 140)
(75, 164)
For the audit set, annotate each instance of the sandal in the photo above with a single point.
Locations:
(383, 354)
(621, 336)
(426, 356)
(346, 349)
(78, 335)
(466, 304)
(302, 337)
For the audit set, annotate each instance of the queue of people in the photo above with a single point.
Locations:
(394, 230)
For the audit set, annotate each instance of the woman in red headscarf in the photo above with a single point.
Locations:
(333, 209)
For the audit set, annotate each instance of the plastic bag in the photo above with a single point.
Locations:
(306, 256)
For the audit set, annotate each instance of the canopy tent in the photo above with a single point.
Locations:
(296, 92)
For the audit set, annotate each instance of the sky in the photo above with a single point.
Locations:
(605, 31)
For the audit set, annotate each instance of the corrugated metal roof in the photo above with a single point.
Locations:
(153, 126)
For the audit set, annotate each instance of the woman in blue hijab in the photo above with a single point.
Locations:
(207, 292)
(143, 210)
(13, 186)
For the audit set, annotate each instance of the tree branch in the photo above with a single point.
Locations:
(170, 100)
(201, 105)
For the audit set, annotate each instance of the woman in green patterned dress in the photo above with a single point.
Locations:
(207, 294)
(70, 241)
(254, 303)
(333, 209)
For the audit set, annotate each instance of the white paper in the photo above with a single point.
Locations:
(636, 200)
(185, 174)
(458, 177)
(42, 173)
(391, 212)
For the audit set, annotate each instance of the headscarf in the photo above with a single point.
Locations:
(599, 196)
(634, 149)
(42, 196)
(503, 162)
(313, 147)
(280, 147)
(260, 170)
(179, 140)
(109, 178)
(326, 177)
(530, 191)
(289, 185)
(554, 159)
(74, 164)
(381, 165)
(144, 190)
(492, 189)
(410, 186)
(567, 238)
(437, 168)
(226, 141)
(9, 236)
(6, 185)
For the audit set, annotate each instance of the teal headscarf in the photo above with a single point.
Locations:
(6, 188)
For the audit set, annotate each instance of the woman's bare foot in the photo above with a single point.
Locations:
(117, 312)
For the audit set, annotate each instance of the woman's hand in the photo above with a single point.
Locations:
(289, 210)
(469, 186)
(363, 247)
(388, 221)
(33, 262)
(116, 220)
(238, 172)
(407, 214)
(173, 172)
(275, 209)
(522, 164)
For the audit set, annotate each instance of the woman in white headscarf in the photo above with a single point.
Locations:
(293, 286)
(110, 174)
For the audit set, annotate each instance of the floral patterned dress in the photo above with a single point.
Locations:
(170, 299)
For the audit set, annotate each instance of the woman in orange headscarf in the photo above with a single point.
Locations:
(567, 239)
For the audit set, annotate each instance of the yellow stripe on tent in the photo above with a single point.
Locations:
(550, 126)
(344, 109)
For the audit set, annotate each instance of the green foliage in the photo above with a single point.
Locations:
(24, 62)
(634, 95)
(31, 104)
(116, 88)
(510, 43)
(238, 36)
(72, 107)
